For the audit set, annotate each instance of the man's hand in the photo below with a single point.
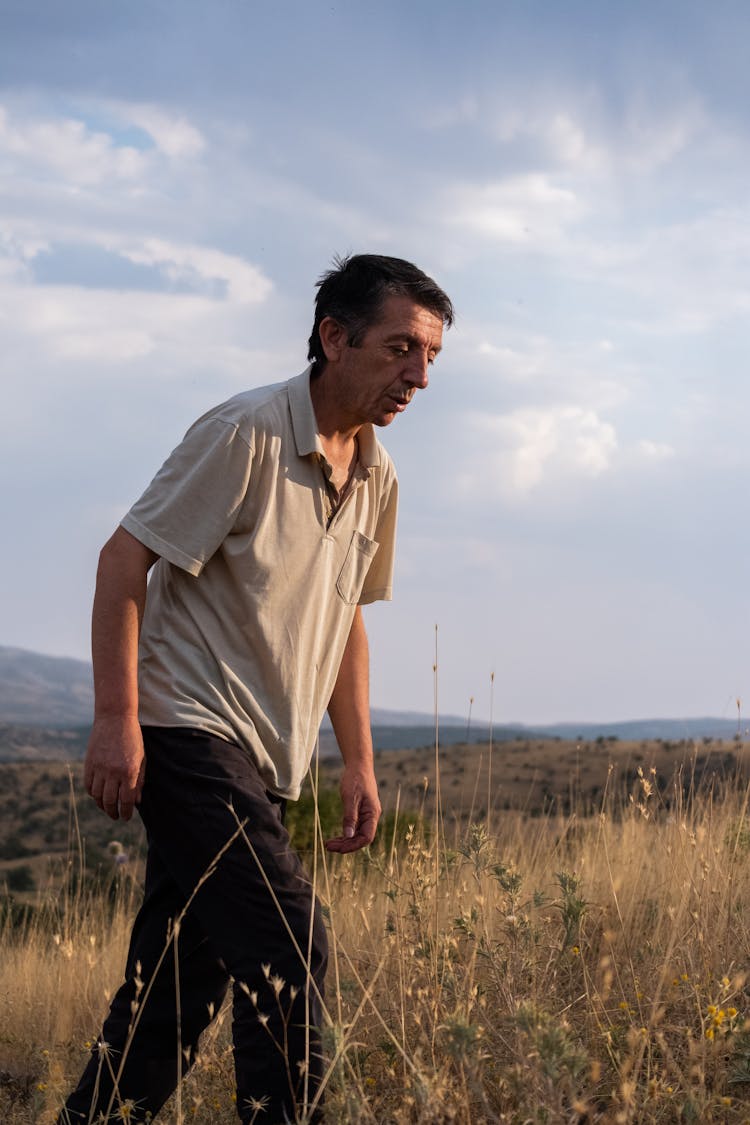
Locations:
(359, 795)
(114, 770)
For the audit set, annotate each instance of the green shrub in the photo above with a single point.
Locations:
(301, 822)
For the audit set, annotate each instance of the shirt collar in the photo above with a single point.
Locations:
(305, 425)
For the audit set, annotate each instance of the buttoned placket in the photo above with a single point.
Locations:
(331, 513)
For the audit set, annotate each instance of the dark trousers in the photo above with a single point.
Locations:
(232, 929)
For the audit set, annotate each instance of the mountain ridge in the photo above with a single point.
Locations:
(56, 693)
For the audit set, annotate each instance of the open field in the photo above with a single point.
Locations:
(578, 956)
(539, 775)
(530, 775)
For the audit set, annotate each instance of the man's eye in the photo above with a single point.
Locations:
(399, 349)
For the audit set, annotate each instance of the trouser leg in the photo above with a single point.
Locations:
(136, 1056)
(257, 908)
(254, 917)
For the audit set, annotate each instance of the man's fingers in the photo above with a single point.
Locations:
(361, 816)
(345, 844)
(368, 826)
(350, 817)
(114, 794)
(139, 783)
(95, 788)
(114, 769)
(111, 798)
(127, 804)
(352, 840)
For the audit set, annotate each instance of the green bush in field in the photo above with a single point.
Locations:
(402, 826)
(300, 818)
(300, 821)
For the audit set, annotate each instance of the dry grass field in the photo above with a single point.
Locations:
(574, 949)
(538, 776)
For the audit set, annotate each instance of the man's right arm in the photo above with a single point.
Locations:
(114, 767)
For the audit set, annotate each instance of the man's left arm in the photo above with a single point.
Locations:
(349, 711)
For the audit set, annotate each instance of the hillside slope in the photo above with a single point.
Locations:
(49, 691)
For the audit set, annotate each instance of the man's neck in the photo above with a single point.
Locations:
(337, 432)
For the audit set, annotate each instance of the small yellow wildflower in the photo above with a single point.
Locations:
(732, 1013)
(575, 951)
(711, 1009)
(710, 1033)
(726, 982)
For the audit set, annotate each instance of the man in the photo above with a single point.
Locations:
(267, 529)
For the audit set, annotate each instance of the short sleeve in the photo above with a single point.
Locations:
(378, 585)
(193, 501)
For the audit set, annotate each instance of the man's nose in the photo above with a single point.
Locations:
(417, 374)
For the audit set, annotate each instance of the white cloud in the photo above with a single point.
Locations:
(653, 136)
(19, 245)
(173, 134)
(524, 368)
(201, 265)
(560, 137)
(655, 450)
(67, 149)
(68, 183)
(567, 138)
(106, 328)
(574, 129)
(529, 209)
(529, 447)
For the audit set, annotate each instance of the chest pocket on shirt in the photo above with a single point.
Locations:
(356, 565)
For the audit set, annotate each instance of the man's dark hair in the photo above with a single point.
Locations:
(354, 290)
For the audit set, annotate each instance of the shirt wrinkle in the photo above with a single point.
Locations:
(291, 577)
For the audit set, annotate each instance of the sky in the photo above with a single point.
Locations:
(175, 176)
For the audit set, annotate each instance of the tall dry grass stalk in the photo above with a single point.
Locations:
(554, 970)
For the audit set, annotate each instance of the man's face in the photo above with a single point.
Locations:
(381, 375)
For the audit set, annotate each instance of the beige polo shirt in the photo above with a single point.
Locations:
(251, 602)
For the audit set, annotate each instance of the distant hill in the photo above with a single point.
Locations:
(42, 744)
(58, 692)
(48, 691)
(46, 706)
(635, 730)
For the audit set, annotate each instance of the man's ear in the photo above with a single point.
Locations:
(333, 338)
